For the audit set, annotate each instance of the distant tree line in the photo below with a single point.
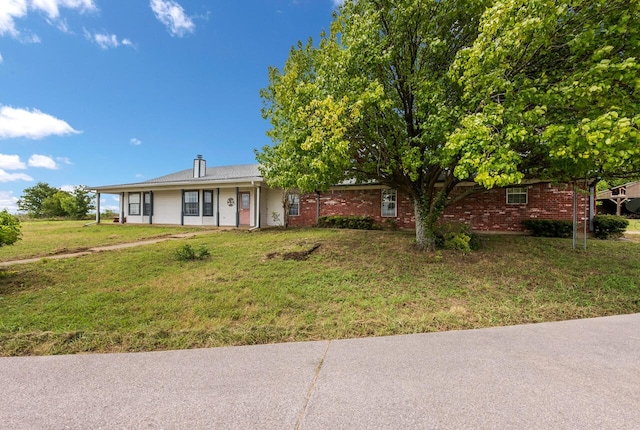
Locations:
(44, 201)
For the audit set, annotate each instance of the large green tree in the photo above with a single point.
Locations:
(33, 199)
(421, 94)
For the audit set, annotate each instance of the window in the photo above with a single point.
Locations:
(389, 198)
(191, 203)
(134, 203)
(207, 203)
(146, 207)
(294, 204)
(517, 196)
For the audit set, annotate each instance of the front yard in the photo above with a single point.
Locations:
(356, 283)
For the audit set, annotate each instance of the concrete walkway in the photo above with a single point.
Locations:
(567, 375)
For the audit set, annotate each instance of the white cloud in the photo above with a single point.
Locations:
(68, 188)
(8, 201)
(106, 41)
(135, 141)
(37, 160)
(1, 59)
(11, 162)
(63, 160)
(31, 124)
(172, 15)
(337, 3)
(10, 177)
(11, 10)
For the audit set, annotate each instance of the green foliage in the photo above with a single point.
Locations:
(549, 227)
(33, 199)
(550, 90)
(420, 94)
(42, 200)
(351, 222)
(456, 236)
(9, 228)
(609, 226)
(187, 253)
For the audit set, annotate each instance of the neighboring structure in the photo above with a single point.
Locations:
(236, 196)
(621, 199)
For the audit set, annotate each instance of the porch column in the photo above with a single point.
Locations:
(237, 207)
(97, 208)
(122, 208)
(217, 207)
(150, 207)
(258, 192)
(182, 208)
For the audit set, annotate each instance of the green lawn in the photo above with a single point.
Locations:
(43, 238)
(356, 283)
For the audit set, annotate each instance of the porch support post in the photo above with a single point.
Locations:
(237, 207)
(258, 192)
(182, 209)
(151, 207)
(122, 208)
(97, 208)
(217, 207)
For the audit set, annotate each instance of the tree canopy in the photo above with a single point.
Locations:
(422, 94)
(43, 200)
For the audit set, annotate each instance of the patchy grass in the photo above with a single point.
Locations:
(355, 283)
(43, 238)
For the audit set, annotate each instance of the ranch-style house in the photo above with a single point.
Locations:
(238, 196)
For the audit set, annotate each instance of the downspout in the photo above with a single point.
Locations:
(217, 207)
(151, 208)
(97, 208)
(237, 207)
(182, 209)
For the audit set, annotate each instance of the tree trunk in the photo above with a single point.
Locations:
(425, 238)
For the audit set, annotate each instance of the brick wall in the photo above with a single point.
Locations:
(486, 211)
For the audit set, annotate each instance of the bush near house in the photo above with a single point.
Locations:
(609, 226)
(549, 227)
(456, 236)
(350, 222)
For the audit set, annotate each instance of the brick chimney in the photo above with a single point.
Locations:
(199, 167)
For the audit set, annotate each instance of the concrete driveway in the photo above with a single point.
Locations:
(567, 375)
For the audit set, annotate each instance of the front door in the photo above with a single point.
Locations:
(245, 208)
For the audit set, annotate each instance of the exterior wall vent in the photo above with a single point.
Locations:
(199, 167)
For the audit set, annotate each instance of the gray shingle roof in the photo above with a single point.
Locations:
(214, 175)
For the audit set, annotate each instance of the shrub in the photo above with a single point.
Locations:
(609, 226)
(350, 222)
(549, 227)
(187, 252)
(9, 228)
(456, 236)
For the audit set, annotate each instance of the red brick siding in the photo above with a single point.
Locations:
(487, 211)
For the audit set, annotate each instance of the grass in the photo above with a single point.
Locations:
(356, 283)
(43, 238)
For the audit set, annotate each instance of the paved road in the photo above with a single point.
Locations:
(568, 375)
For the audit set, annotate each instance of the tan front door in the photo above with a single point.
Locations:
(245, 208)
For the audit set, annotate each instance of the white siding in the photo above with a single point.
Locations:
(228, 213)
(167, 207)
(272, 203)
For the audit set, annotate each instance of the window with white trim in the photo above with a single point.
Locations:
(134, 203)
(294, 204)
(191, 203)
(207, 203)
(389, 200)
(517, 196)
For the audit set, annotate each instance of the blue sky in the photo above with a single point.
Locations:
(101, 92)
